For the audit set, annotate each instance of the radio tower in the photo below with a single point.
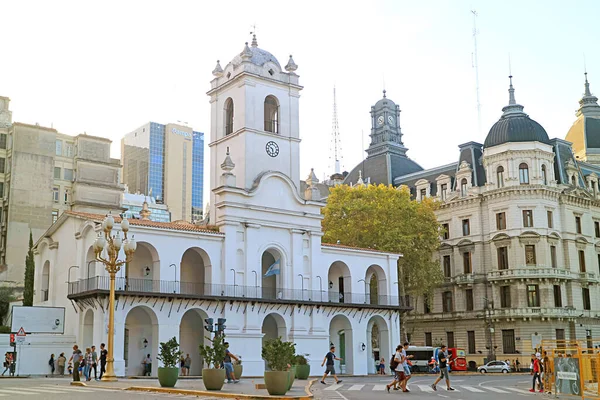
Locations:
(336, 143)
(476, 66)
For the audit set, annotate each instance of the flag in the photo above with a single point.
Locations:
(273, 269)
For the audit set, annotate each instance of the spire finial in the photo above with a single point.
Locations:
(384, 92)
(253, 33)
(587, 85)
(511, 92)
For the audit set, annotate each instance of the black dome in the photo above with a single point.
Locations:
(516, 128)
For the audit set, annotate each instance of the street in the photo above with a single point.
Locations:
(472, 387)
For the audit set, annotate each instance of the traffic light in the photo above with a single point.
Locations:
(221, 324)
(12, 340)
(209, 324)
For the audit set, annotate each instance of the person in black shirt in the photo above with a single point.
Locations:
(103, 354)
(329, 358)
(444, 360)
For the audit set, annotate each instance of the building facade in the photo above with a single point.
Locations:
(167, 163)
(136, 206)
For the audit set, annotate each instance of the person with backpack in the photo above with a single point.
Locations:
(396, 366)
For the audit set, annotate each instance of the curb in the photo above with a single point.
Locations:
(308, 395)
(79, 383)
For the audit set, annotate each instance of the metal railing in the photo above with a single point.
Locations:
(207, 290)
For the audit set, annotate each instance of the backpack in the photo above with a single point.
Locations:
(393, 362)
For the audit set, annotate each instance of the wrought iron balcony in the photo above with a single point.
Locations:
(148, 287)
(535, 312)
(530, 273)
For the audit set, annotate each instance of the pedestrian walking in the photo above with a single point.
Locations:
(103, 354)
(536, 371)
(87, 367)
(547, 372)
(76, 358)
(60, 362)
(94, 362)
(51, 364)
(147, 365)
(382, 367)
(7, 363)
(187, 364)
(443, 364)
(518, 363)
(406, 367)
(329, 366)
(228, 364)
(182, 365)
(396, 366)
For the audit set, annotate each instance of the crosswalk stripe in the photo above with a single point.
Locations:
(14, 392)
(334, 387)
(379, 387)
(425, 388)
(356, 387)
(28, 389)
(473, 389)
(493, 389)
(517, 390)
(69, 388)
(455, 390)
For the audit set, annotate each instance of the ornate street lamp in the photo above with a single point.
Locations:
(112, 244)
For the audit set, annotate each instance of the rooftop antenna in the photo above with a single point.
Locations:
(475, 63)
(336, 144)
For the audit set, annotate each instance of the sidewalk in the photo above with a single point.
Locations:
(245, 389)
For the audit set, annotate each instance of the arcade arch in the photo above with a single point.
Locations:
(140, 339)
(340, 336)
(339, 282)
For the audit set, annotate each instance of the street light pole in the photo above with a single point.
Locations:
(234, 285)
(112, 264)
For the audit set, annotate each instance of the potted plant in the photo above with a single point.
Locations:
(302, 367)
(278, 355)
(238, 368)
(213, 378)
(169, 354)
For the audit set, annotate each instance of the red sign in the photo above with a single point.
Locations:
(21, 332)
(12, 337)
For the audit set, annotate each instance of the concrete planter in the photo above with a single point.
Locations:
(167, 377)
(302, 371)
(213, 378)
(238, 370)
(277, 382)
(292, 377)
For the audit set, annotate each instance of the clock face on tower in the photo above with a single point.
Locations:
(391, 120)
(380, 120)
(272, 149)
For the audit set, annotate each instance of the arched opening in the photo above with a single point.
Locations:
(340, 336)
(88, 330)
(523, 174)
(195, 271)
(142, 270)
(89, 270)
(46, 281)
(573, 180)
(544, 175)
(271, 274)
(339, 283)
(228, 116)
(377, 290)
(500, 176)
(271, 114)
(273, 326)
(141, 339)
(379, 343)
(463, 187)
(191, 336)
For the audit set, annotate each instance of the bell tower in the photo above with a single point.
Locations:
(386, 135)
(254, 118)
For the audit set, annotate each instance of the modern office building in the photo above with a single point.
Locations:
(133, 203)
(167, 163)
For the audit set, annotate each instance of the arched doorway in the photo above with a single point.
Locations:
(272, 266)
(143, 269)
(340, 336)
(141, 338)
(273, 326)
(88, 330)
(191, 336)
(339, 283)
(195, 271)
(376, 285)
(378, 346)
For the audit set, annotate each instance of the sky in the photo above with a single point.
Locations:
(107, 67)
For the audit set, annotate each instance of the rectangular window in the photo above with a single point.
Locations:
(466, 227)
(428, 339)
(57, 171)
(59, 147)
(2, 164)
(581, 261)
(578, 224)
(68, 174)
(2, 140)
(533, 296)
(471, 342)
(447, 302)
(54, 215)
(585, 294)
(505, 296)
(69, 149)
(557, 296)
(527, 218)
(502, 257)
(444, 188)
(1, 189)
(67, 196)
(500, 221)
(597, 228)
(446, 231)
(423, 193)
(469, 299)
(450, 339)
(560, 338)
(55, 191)
(467, 267)
(550, 219)
(508, 341)
(447, 267)
(553, 256)
(530, 254)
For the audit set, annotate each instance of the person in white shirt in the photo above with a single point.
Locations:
(399, 371)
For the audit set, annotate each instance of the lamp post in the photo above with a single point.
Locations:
(302, 285)
(175, 283)
(365, 282)
(255, 283)
(234, 285)
(489, 322)
(112, 264)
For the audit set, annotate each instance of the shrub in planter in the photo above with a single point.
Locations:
(213, 378)
(238, 368)
(169, 354)
(302, 367)
(279, 357)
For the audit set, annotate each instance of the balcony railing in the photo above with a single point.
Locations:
(206, 290)
(530, 272)
(564, 312)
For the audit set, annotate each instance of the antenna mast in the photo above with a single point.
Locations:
(336, 143)
(475, 62)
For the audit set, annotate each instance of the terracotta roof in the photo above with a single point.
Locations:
(177, 225)
(341, 246)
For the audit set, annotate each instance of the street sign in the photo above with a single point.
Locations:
(21, 335)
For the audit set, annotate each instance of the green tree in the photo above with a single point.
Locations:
(386, 218)
(6, 297)
(29, 274)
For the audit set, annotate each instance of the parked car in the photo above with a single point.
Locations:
(494, 366)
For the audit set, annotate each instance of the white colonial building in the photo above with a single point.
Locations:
(183, 273)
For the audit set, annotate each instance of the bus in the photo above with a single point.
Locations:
(421, 357)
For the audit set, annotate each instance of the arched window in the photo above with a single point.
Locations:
(373, 289)
(463, 187)
(271, 114)
(523, 174)
(500, 176)
(228, 116)
(45, 281)
(573, 181)
(544, 176)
